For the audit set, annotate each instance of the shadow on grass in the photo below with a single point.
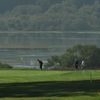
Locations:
(50, 88)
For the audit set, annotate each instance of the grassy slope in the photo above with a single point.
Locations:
(49, 85)
(9, 76)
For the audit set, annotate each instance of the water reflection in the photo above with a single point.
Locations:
(23, 48)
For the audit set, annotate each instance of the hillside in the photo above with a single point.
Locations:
(49, 15)
(8, 5)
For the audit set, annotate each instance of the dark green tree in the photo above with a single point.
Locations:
(89, 53)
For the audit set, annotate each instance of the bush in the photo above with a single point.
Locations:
(5, 66)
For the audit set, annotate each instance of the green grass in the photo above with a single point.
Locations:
(49, 85)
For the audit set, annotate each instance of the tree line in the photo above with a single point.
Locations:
(89, 53)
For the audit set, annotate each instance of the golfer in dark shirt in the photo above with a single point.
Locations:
(40, 63)
(76, 64)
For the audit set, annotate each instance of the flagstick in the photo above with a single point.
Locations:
(91, 77)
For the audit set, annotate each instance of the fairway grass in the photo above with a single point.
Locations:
(15, 76)
(49, 85)
(57, 98)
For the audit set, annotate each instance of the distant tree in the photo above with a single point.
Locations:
(90, 53)
(53, 61)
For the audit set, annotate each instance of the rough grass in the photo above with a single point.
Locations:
(49, 85)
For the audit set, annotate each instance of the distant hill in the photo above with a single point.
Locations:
(7, 5)
(49, 15)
